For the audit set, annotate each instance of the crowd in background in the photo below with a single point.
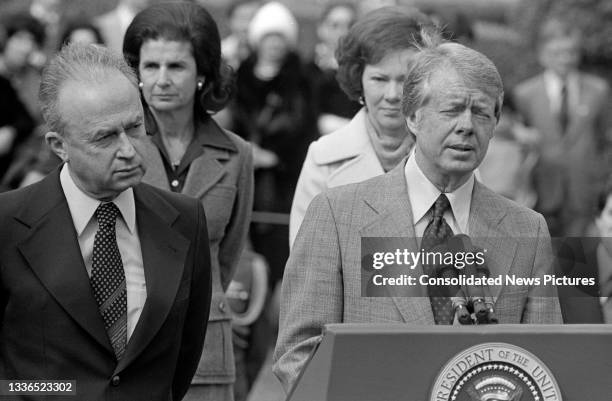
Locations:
(550, 151)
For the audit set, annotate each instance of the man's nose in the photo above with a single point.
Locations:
(465, 125)
(126, 147)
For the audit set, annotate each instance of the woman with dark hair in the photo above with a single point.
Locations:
(373, 59)
(175, 49)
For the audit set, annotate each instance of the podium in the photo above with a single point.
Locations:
(393, 362)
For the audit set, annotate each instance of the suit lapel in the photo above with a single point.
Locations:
(52, 251)
(164, 251)
(394, 219)
(486, 214)
(205, 172)
(156, 172)
(351, 143)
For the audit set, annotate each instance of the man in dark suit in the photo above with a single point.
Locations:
(103, 280)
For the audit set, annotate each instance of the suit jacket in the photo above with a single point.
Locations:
(569, 164)
(343, 157)
(322, 282)
(50, 326)
(221, 178)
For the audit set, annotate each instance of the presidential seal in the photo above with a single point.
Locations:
(495, 372)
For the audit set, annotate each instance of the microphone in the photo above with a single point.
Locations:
(478, 296)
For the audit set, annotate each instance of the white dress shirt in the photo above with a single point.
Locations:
(82, 208)
(423, 193)
(553, 85)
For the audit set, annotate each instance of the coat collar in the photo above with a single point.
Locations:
(205, 171)
(345, 143)
(350, 145)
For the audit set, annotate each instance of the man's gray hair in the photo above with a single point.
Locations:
(80, 63)
(435, 54)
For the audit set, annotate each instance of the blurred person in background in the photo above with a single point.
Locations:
(22, 59)
(235, 47)
(334, 108)
(372, 64)
(273, 109)
(175, 48)
(49, 14)
(80, 30)
(16, 124)
(34, 160)
(114, 23)
(568, 108)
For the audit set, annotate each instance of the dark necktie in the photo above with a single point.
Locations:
(436, 233)
(108, 278)
(564, 109)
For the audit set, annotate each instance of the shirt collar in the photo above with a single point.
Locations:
(553, 83)
(82, 206)
(423, 193)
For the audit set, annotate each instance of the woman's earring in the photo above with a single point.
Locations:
(140, 85)
(361, 101)
(200, 85)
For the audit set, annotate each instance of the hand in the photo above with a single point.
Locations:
(263, 158)
(7, 138)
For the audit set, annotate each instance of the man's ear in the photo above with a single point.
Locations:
(411, 123)
(57, 143)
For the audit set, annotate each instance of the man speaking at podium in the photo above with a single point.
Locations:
(452, 98)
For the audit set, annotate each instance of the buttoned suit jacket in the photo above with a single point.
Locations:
(322, 282)
(221, 178)
(343, 157)
(50, 326)
(571, 163)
